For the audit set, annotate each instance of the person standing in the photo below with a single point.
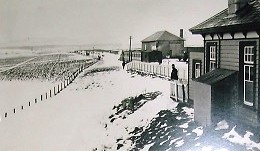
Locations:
(123, 64)
(173, 85)
(174, 74)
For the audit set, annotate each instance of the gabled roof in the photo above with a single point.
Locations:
(162, 36)
(215, 76)
(246, 19)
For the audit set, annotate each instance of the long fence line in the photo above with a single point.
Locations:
(51, 93)
(178, 89)
(156, 69)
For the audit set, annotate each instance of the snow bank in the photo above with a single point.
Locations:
(222, 125)
(234, 137)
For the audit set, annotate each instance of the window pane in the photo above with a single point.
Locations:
(197, 66)
(246, 72)
(251, 74)
(212, 65)
(249, 92)
(251, 58)
(212, 52)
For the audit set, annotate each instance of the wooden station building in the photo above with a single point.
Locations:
(224, 77)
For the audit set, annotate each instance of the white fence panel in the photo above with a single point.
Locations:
(161, 70)
(179, 91)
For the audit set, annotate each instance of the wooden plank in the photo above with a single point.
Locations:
(235, 64)
(229, 47)
(235, 60)
(229, 43)
(230, 67)
(234, 56)
(225, 51)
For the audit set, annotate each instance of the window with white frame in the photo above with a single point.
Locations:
(248, 74)
(212, 58)
(248, 54)
(145, 47)
(196, 68)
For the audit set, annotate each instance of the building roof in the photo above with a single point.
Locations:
(246, 19)
(215, 76)
(162, 36)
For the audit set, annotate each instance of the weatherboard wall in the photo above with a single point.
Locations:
(229, 59)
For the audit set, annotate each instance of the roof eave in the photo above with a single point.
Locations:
(227, 29)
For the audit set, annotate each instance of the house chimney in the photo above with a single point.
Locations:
(181, 33)
(235, 5)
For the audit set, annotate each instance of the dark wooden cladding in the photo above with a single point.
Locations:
(230, 50)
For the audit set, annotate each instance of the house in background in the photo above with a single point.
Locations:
(224, 78)
(167, 43)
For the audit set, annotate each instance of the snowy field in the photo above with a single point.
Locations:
(108, 108)
(24, 80)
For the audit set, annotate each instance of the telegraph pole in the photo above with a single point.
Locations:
(130, 53)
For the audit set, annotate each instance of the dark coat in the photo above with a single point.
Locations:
(174, 74)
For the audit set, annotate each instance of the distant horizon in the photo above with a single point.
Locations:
(193, 40)
(80, 46)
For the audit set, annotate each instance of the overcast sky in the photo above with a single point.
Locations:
(100, 21)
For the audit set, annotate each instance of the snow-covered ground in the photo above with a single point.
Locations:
(90, 115)
(15, 93)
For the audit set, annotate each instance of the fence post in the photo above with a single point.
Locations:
(183, 92)
(50, 93)
(41, 97)
(54, 90)
(46, 95)
(186, 93)
(176, 91)
(184, 74)
(151, 69)
(14, 110)
(168, 71)
(35, 100)
(5, 115)
(29, 103)
(160, 70)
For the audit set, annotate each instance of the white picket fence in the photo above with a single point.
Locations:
(152, 68)
(179, 91)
